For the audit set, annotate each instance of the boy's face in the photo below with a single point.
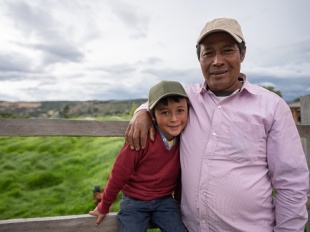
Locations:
(171, 118)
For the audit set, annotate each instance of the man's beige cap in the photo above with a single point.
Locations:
(228, 25)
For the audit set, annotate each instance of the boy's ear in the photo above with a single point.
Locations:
(152, 114)
(153, 118)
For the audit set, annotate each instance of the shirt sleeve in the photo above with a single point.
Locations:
(289, 171)
(142, 107)
(123, 168)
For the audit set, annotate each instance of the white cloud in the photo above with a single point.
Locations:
(101, 50)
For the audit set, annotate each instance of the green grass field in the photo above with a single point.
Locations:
(53, 176)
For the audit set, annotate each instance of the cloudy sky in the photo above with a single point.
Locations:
(117, 49)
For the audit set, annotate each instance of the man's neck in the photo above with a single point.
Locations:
(224, 93)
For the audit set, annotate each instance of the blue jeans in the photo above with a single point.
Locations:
(135, 214)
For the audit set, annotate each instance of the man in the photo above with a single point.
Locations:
(243, 166)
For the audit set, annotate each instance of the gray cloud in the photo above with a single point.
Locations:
(132, 17)
(59, 52)
(103, 50)
(119, 69)
(14, 62)
(27, 18)
(41, 32)
(291, 88)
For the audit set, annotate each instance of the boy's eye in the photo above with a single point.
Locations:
(164, 112)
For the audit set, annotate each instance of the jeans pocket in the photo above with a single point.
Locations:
(125, 201)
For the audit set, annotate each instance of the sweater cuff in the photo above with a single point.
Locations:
(102, 209)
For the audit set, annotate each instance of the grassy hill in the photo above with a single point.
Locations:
(67, 109)
(53, 176)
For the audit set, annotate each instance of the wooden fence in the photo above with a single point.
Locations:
(57, 127)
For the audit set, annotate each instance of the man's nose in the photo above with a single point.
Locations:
(218, 59)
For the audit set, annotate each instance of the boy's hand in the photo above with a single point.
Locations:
(99, 215)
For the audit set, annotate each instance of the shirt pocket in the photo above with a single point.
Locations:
(247, 141)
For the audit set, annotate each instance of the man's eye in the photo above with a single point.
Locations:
(209, 53)
(228, 51)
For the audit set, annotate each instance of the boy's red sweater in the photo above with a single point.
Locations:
(146, 174)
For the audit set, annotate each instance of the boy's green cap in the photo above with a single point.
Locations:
(165, 89)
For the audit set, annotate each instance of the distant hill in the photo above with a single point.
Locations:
(67, 109)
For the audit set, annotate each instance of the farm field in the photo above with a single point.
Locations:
(53, 176)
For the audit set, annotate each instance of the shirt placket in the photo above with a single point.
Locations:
(206, 215)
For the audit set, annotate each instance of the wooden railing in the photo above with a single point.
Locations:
(57, 127)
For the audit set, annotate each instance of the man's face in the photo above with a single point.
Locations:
(220, 62)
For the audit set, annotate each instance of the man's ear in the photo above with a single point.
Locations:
(243, 54)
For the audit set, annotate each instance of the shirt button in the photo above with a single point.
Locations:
(214, 133)
(219, 107)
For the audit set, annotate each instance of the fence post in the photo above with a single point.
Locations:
(305, 120)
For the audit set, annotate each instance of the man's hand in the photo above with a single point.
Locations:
(138, 128)
(99, 215)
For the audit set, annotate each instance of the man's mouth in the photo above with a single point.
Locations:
(218, 73)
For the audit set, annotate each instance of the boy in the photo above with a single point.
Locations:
(149, 177)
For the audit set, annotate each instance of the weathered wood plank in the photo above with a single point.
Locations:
(76, 223)
(305, 109)
(305, 120)
(304, 131)
(61, 127)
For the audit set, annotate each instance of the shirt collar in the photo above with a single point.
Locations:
(165, 140)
